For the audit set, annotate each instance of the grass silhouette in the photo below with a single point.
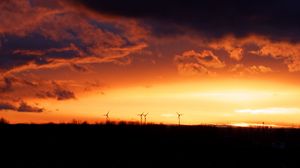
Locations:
(126, 141)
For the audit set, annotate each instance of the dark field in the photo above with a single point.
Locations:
(83, 145)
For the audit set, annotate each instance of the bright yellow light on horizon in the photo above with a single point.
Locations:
(254, 125)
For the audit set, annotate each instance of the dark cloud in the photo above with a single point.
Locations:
(7, 83)
(214, 18)
(23, 107)
(58, 92)
(7, 106)
(34, 50)
(63, 94)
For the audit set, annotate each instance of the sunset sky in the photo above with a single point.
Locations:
(214, 61)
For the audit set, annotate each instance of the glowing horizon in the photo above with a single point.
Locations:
(202, 102)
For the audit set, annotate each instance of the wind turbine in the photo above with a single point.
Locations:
(179, 115)
(141, 115)
(107, 116)
(145, 118)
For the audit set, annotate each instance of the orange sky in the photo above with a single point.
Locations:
(214, 101)
(67, 62)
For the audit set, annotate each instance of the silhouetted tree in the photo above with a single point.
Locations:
(3, 121)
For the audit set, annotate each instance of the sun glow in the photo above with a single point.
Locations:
(254, 125)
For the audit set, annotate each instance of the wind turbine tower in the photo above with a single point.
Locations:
(107, 116)
(179, 117)
(141, 117)
(145, 118)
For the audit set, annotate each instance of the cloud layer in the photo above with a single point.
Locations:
(58, 92)
(38, 36)
(75, 37)
(212, 18)
(23, 107)
(191, 62)
(48, 35)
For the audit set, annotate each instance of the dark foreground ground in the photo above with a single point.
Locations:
(147, 146)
